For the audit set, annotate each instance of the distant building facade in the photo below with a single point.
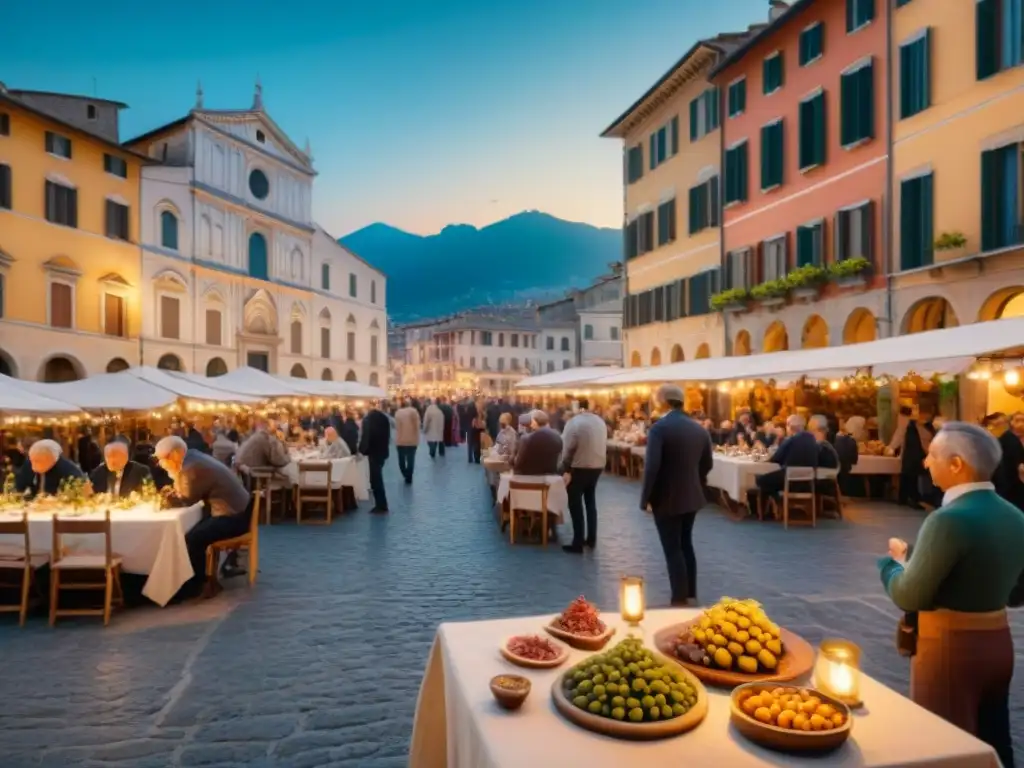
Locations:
(595, 314)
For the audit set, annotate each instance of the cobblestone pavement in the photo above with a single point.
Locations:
(320, 664)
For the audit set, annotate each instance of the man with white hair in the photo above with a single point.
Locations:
(799, 449)
(198, 477)
(334, 446)
(539, 452)
(118, 475)
(967, 567)
(45, 470)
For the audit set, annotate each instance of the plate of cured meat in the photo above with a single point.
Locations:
(580, 626)
(534, 651)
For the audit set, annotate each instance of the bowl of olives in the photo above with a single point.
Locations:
(510, 691)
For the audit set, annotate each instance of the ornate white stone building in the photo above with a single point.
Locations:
(234, 269)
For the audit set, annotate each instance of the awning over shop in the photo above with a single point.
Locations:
(106, 392)
(249, 382)
(943, 350)
(184, 385)
(17, 401)
(566, 377)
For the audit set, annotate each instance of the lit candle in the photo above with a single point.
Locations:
(631, 599)
(837, 671)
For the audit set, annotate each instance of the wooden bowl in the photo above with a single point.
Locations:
(510, 698)
(624, 729)
(786, 739)
(795, 662)
(582, 642)
(563, 654)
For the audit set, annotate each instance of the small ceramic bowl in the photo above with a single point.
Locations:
(510, 690)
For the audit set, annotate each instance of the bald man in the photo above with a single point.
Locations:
(118, 475)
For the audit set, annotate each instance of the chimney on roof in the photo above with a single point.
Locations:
(776, 8)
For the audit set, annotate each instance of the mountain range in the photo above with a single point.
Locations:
(527, 256)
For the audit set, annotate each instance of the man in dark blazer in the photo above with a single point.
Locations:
(374, 445)
(799, 449)
(117, 475)
(45, 470)
(676, 466)
(540, 451)
(1008, 481)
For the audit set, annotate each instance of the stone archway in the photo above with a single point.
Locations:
(350, 376)
(634, 360)
(374, 379)
(655, 356)
(703, 351)
(677, 354)
(117, 365)
(860, 327)
(327, 375)
(61, 368)
(1006, 302)
(170, 362)
(815, 333)
(776, 338)
(216, 367)
(741, 347)
(7, 366)
(298, 372)
(929, 314)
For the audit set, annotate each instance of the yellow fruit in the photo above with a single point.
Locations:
(731, 616)
(727, 629)
(754, 632)
(723, 658)
(705, 622)
(799, 721)
(750, 706)
(698, 635)
(773, 630)
(741, 636)
(711, 648)
(775, 709)
(747, 664)
(720, 640)
(767, 660)
(808, 707)
(763, 714)
(825, 710)
(735, 649)
(837, 719)
(743, 695)
(792, 705)
(743, 622)
(806, 726)
(753, 647)
(785, 719)
(775, 646)
(762, 622)
(741, 608)
(817, 721)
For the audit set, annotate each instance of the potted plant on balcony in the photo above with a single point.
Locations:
(771, 293)
(850, 273)
(952, 242)
(730, 300)
(805, 282)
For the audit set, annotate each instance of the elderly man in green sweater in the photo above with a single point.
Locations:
(967, 567)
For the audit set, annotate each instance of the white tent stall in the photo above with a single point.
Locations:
(106, 392)
(17, 401)
(567, 377)
(187, 387)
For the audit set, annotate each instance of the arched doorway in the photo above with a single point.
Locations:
(374, 380)
(741, 347)
(117, 365)
(169, 362)
(776, 339)
(350, 376)
(216, 367)
(298, 371)
(60, 369)
(860, 327)
(1007, 302)
(655, 356)
(7, 367)
(327, 375)
(703, 351)
(677, 354)
(634, 360)
(930, 314)
(815, 333)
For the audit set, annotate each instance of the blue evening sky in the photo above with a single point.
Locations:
(420, 112)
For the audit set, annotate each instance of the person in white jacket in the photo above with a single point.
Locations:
(433, 429)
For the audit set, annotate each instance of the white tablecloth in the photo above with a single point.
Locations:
(459, 725)
(558, 498)
(351, 471)
(876, 465)
(151, 542)
(735, 475)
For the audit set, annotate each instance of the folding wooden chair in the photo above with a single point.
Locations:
(828, 479)
(805, 499)
(20, 564)
(527, 486)
(62, 562)
(248, 542)
(315, 494)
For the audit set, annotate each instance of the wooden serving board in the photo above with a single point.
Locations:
(625, 729)
(582, 642)
(796, 661)
(563, 655)
(787, 739)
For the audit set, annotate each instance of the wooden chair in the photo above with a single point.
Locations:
(316, 494)
(806, 499)
(248, 542)
(24, 563)
(267, 481)
(62, 562)
(536, 487)
(828, 479)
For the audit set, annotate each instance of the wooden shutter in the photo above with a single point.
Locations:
(866, 99)
(325, 343)
(5, 187)
(867, 231)
(170, 325)
(351, 345)
(675, 135)
(61, 305)
(986, 32)
(991, 177)
(693, 120)
(694, 210)
(296, 337)
(714, 202)
(653, 151)
(113, 315)
(49, 141)
(213, 323)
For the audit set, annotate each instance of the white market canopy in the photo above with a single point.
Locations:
(258, 384)
(947, 350)
(567, 377)
(106, 392)
(182, 385)
(15, 400)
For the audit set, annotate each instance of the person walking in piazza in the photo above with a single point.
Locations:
(433, 429)
(584, 454)
(407, 438)
(676, 466)
(374, 444)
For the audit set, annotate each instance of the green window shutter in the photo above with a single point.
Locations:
(910, 204)
(711, 97)
(694, 221)
(662, 145)
(867, 101)
(906, 80)
(991, 185)
(714, 202)
(804, 246)
(675, 135)
(925, 64)
(654, 151)
(851, 15)
(693, 120)
(741, 96)
(928, 219)
(771, 155)
(986, 38)
(915, 76)
(820, 129)
(847, 106)
(744, 172)
(805, 139)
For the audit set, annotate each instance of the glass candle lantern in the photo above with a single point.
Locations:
(631, 599)
(837, 671)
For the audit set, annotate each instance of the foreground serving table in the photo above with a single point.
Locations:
(459, 725)
(150, 542)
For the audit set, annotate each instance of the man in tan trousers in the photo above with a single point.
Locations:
(407, 438)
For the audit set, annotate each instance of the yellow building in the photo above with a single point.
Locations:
(671, 164)
(69, 260)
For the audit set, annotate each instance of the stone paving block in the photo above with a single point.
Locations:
(222, 754)
(266, 728)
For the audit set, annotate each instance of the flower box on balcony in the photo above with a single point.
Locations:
(771, 293)
(850, 273)
(731, 300)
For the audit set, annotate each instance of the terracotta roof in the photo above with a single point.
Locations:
(760, 32)
(22, 91)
